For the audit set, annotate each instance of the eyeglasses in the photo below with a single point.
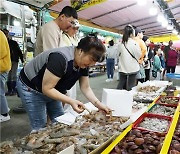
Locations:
(92, 36)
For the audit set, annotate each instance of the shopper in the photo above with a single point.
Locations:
(5, 66)
(111, 56)
(172, 60)
(50, 34)
(69, 38)
(129, 53)
(147, 59)
(166, 50)
(44, 80)
(139, 35)
(157, 68)
(16, 54)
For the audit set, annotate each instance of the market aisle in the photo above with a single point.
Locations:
(18, 125)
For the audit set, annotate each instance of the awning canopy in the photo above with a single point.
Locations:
(118, 13)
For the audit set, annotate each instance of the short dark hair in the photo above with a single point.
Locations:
(128, 30)
(68, 11)
(92, 46)
(111, 43)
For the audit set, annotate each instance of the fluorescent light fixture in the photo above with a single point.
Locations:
(141, 2)
(153, 11)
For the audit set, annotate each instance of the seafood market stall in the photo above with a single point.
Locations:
(96, 132)
(156, 131)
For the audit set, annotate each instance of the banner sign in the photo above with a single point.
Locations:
(84, 4)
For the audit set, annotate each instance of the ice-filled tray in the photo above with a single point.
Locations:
(165, 109)
(153, 122)
(169, 100)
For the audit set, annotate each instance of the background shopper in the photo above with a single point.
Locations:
(5, 66)
(111, 55)
(138, 38)
(129, 53)
(147, 58)
(16, 54)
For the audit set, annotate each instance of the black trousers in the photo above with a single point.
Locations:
(126, 81)
(171, 69)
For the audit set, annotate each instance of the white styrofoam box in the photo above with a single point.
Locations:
(120, 101)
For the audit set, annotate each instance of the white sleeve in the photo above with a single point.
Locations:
(50, 38)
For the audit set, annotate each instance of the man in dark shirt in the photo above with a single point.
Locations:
(16, 53)
(166, 50)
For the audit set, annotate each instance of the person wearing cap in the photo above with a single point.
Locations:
(147, 58)
(50, 34)
(138, 38)
(43, 82)
(69, 38)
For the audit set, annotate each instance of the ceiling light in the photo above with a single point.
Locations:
(141, 2)
(169, 27)
(160, 18)
(164, 23)
(81, 34)
(175, 31)
(153, 11)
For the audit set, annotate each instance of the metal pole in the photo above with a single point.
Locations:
(9, 19)
(23, 25)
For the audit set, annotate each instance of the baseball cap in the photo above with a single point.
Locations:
(75, 23)
(138, 30)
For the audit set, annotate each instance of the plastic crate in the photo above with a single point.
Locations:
(148, 115)
(173, 77)
(175, 104)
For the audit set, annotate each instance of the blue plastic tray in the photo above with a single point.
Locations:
(173, 76)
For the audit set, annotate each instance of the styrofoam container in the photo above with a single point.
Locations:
(120, 101)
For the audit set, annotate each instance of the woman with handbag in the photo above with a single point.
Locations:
(129, 52)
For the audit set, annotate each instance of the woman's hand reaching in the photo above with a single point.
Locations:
(103, 107)
(78, 106)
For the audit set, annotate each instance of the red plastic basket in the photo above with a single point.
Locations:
(148, 115)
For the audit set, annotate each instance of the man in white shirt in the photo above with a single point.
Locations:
(50, 34)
